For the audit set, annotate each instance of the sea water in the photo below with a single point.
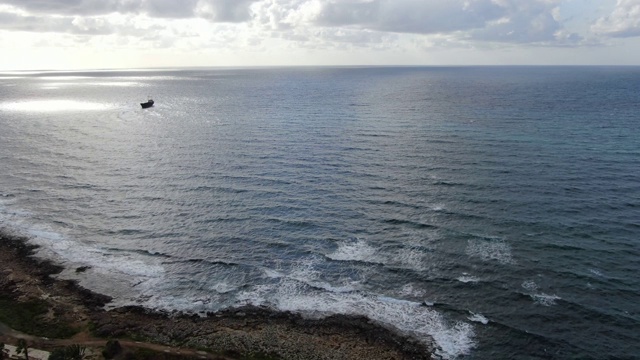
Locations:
(495, 210)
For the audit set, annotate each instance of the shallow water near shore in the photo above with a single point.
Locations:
(492, 209)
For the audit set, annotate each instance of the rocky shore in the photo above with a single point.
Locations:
(68, 310)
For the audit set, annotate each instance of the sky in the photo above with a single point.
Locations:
(98, 34)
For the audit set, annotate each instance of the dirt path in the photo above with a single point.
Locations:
(10, 336)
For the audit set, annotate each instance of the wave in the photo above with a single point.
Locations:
(466, 278)
(452, 338)
(128, 266)
(490, 250)
(478, 318)
(414, 224)
(537, 296)
(355, 250)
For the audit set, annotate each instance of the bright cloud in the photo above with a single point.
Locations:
(271, 31)
(624, 21)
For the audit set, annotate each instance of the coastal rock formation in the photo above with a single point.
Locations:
(233, 333)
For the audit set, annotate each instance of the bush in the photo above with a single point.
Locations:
(112, 349)
(27, 318)
(71, 352)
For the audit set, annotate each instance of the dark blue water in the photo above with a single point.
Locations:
(505, 199)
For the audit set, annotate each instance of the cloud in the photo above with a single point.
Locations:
(74, 25)
(78, 25)
(507, 21)
(168, 8)
(224, 10)
(75, 7)
(624, 20)
(527, 22)
(213, 10)
(339, 22)
(410, 16)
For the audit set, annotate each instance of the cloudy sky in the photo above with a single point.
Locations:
(67, 34)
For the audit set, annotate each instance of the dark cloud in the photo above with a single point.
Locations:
(224, 10)
(169, 8)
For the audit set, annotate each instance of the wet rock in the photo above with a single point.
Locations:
(245, 332)
(82, 269)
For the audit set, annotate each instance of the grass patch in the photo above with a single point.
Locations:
(26, 317)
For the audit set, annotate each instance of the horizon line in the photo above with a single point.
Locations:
(203, 67)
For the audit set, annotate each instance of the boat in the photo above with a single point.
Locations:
(147, 104)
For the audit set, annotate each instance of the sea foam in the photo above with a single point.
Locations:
(300, 293)
(354, 250)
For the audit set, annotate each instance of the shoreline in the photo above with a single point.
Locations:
(243, 332)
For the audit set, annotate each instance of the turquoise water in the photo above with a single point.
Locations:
(493, 209)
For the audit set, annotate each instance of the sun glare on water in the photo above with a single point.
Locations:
(53, 105)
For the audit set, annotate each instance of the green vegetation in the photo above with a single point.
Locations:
(112, 349)
(23, 348)
(28, 317)
(71, 352)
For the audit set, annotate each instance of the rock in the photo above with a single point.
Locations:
(82, 269)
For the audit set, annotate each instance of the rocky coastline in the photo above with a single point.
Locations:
(239, 333)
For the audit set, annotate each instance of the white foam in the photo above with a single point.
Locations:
(493, 250)
(272, 274)
(397, 301)
(119, 274)
(99, 259)
(223, 287)
(530, 285)
(302, 288)
(478, 318)
(538, 297)
(466, 278)
(413, 258)
(304, 271)
(355, 250)
(409, 290)
(190, 303)
(596, 272)
(452, 339)
(545, 299)
(403, 315)
(62, 248)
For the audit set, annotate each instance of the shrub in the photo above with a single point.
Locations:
(71, 352)
(112, 349)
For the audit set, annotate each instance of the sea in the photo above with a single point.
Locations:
(491, 211)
